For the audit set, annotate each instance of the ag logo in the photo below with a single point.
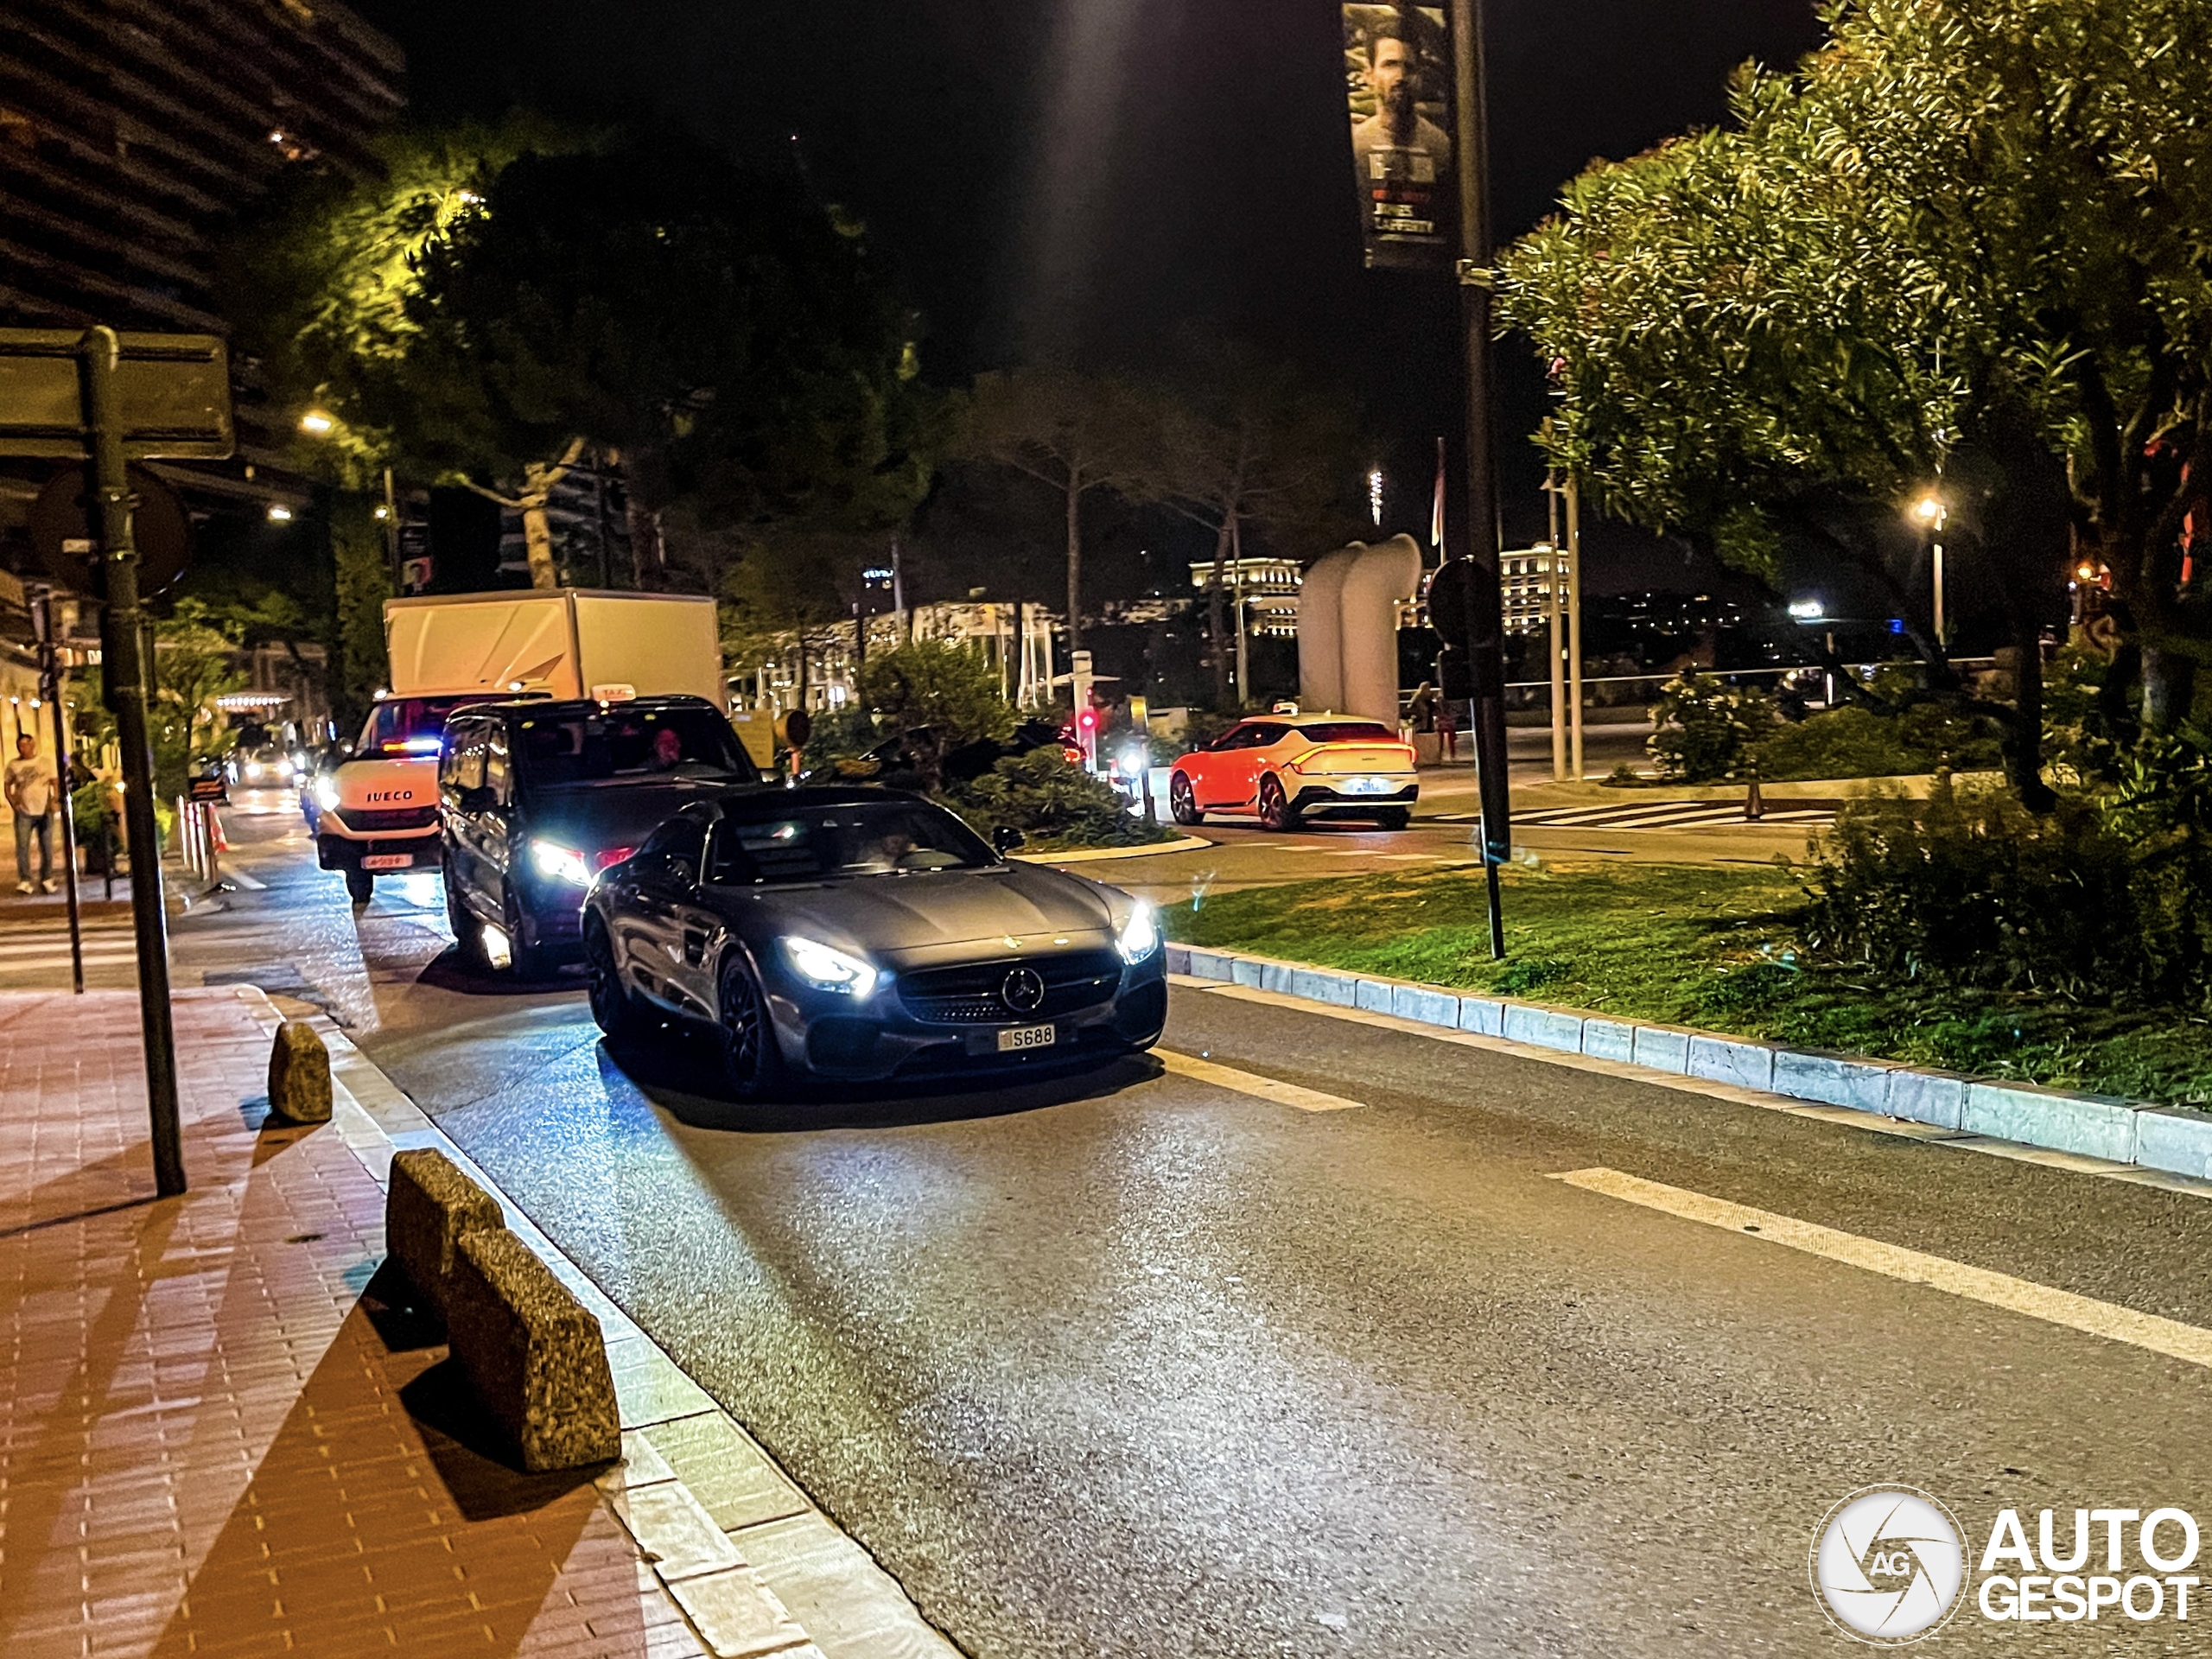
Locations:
(1888, 1565)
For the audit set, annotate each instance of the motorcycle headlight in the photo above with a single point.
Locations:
(829, 970)
(326, 794)
(562, 863)
(1139, 935)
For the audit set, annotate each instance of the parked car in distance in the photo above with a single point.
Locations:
(865, 934)
(264, 766)
(1288, 768)
(536, 798)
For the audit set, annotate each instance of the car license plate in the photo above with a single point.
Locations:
(1015, 1039)
(388, 861)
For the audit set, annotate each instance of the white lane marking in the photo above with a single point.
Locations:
(1248, 1082)
(2062, 1308)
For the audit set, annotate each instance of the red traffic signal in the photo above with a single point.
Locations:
(1087, 721)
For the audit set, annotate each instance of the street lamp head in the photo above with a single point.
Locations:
(1807, 610)
(316, 424)
(279, 513)
(1929, 510)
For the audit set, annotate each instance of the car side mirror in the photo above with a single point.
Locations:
(1006, 838)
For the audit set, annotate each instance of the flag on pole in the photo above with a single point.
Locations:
(1436, 510)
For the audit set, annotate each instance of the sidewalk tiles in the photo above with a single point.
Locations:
(216, 1437)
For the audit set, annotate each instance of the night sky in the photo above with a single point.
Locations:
(1082, 177)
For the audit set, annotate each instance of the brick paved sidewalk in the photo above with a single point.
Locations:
(214, 1438)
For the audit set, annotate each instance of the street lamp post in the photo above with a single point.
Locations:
(1933, 511)
(1484, 622)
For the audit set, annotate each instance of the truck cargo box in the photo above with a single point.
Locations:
(566, 642)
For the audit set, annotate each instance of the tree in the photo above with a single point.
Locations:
(1239, 440)
(500, 300)
(362, 664)
(940, 697)
(784, 593)
(1077, 434)
(1956, 243)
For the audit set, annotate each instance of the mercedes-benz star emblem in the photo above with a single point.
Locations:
(1023, 990)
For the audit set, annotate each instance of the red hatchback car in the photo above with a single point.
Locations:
(1290, 767)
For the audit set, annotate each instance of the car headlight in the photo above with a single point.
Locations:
(829, 970)
(253, 768)
(562, 863)
(1139, 935)
(283, 768)
(326, 794)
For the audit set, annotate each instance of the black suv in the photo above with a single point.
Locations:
(537, 797)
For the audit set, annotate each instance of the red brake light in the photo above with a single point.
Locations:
(607, 855)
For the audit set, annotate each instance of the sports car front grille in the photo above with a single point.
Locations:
(368, 823)
(968, 994)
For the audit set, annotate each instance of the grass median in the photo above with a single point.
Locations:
(1696, 946)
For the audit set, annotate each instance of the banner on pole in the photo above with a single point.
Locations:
(1397, 80)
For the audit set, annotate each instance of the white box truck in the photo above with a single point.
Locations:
(378, 812)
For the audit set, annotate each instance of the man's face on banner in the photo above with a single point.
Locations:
(1390, 74)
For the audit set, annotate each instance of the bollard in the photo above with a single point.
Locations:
(299, 1075)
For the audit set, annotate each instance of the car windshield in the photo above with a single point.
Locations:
(758, 844)
(1347, 731)
(630, 745)
(409, 725)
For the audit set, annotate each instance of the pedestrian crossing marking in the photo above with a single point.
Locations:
(1664, 815)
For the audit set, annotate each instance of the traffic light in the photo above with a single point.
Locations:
(1086, 732)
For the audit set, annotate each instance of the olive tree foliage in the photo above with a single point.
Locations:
(1967, 239)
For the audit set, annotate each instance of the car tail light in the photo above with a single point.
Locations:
(1297, 762)
(608, 856)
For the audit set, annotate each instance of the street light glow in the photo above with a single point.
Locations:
(1806, 610)
(279, 513)
(1375, 496)
(1929, 510)
(315, 424)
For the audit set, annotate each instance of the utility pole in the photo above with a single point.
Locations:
(1484, 622)
(1574, 704)
(122, 659)
(1553, 642)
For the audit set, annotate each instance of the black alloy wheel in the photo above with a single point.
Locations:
(612, 1006)
(360, 886)
(751, 1062)
(1275, 810)
(1182, 803)
(524, 961)
(459, 922)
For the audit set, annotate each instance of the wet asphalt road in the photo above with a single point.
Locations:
(1136, 1365)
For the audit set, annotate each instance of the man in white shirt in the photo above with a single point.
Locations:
(31, 788)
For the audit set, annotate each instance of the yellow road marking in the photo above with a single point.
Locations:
(1248, 1082)
(2084, 1313)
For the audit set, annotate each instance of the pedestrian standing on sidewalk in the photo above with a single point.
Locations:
(1448, 730)
(31, 789)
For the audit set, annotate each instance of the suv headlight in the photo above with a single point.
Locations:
(325, 793)
(1139, 935)
(562, 863)
(829, 970)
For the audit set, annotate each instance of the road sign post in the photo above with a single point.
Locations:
(123, 673)
(53, 685)
(79, 395)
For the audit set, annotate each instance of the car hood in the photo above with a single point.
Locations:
(596, 817)
(918, 921)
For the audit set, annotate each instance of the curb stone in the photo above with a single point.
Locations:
(697, 1546)
(2170, 1140)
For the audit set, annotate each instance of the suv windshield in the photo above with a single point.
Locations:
(758, 844)
(1347, 731)
(409, 725)
(619, 743)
